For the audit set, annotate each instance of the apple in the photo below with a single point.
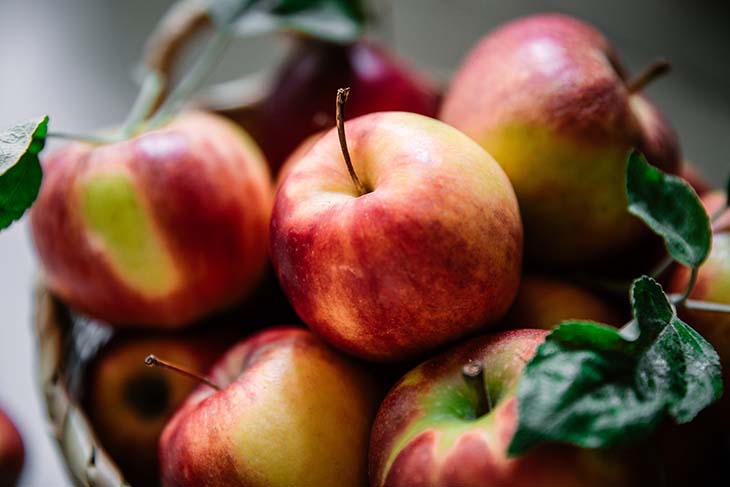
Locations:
(546, 96)
(12, 452)
(161, 229)
(715, 204)
(300, 95)
(129, 403)
(435, 429)
(544, 302)
(290, 411)
(427, 249)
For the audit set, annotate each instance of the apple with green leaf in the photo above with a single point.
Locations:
(449, 423)
(160, 229)
(397, 236)
(546, 96)
(289, 410)
(12, 452)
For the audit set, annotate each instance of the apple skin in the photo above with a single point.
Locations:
(301, 97)
(129, 403)
(12, 452)
(545, 302)
(159, 230)
(426, 433)
(546, 96)
(432, 253)
(292, 411)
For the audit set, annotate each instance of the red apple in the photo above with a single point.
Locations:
(158, 230)
(300, 96)
(548, 98)
(12, 452)
(290, 411)
(431, 251)
(545, 302)
(129, 403)
(429, 431)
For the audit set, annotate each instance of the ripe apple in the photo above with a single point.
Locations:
(432, 431)
(548, 98)
(430, 252)
(714, 203)
(129, 403)
(545, 302)
(157, 230)
(12, 452)
(300, 96)
(290, 411)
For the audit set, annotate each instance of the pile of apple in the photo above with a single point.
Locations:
(396, 238)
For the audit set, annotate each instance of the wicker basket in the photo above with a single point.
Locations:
(66, 343)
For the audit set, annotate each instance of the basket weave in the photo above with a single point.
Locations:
(62, 342)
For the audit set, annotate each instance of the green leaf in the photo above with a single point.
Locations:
(582, 391)
(20, 169)
(589, 386)
(671, 208)
(340, 21)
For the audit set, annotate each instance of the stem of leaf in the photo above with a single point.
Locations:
(146, 98)
(195, 77)
(697, 305)
(91, 139)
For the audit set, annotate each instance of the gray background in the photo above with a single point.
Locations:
(73, 60)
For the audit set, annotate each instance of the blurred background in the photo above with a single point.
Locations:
(74, 60)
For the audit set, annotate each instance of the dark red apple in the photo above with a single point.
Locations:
(300, 101)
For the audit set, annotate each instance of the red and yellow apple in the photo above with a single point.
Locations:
(161, 229)
(431, 252)
(548, 98)
(12, 452)
(129, 403)
(290, 411)
(429, 432)
(300, 95)
(545, 302)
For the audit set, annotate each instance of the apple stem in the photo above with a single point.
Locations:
(152, 361)
(342, 94)
(473, 374)
(649, 74)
